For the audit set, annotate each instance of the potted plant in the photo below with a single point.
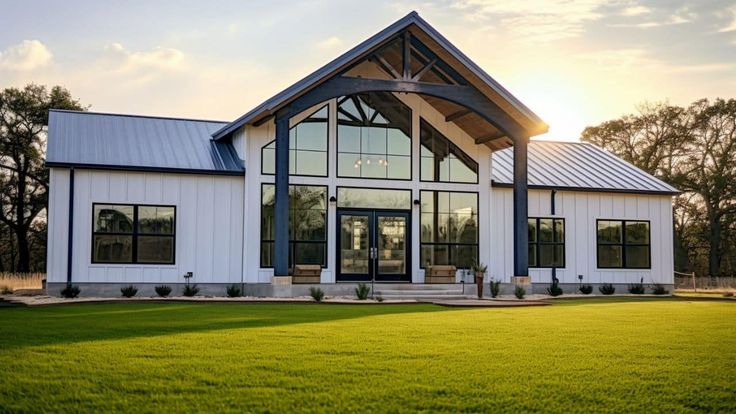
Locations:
(479, 270)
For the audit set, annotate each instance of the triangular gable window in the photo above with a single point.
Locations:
(443, 161)
(307, 147)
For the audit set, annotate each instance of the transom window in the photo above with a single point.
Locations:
(307, 225)
(546, 242)
(623, 244)
(125, 233)
(307, 147)
(373, 137)
(443, 161)
(449, 228)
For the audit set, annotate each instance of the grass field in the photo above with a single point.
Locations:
(615, 355)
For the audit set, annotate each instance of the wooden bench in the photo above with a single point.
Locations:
(440, 274)
(306, 274)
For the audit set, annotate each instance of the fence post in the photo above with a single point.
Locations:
(695, 287)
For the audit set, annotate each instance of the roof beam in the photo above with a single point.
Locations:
(386, 66)
(490, 137)
(465, 96)
(407, 55)
(457, 115)
(424, 70)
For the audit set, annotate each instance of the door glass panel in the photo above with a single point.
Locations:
(391, 245)
(354, 244)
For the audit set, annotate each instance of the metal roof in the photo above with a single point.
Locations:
(576, 166)
(270, 106)
(114, 141)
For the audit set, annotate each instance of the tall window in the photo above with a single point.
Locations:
(373, 137)
(123, 233)
(307, 147)
(307, 225)
(623, 244)
(449, 228)
(443, 161)
(546, 242)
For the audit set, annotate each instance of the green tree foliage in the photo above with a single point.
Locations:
(694, 149)
(24, 115)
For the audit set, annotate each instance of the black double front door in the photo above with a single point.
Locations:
(373, 245)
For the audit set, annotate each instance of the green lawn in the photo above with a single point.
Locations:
(616, 355)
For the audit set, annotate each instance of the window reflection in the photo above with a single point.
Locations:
(307, 147)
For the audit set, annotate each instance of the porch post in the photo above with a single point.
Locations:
(521, 213)
(281, 209)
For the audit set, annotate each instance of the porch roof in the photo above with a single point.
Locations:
(439, 45)
(576, 166)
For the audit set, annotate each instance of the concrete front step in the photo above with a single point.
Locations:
(413, 287)
(426, 298)
(420, 292)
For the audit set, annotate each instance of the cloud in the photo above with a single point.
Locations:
(534, 20)
(731, 27)
(26, 55)
(635, 11)
(330, 43)
(160, 58)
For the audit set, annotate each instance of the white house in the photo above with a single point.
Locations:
(398, 155)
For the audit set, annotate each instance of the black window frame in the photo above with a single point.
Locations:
(451, 146)
(411, 144)
(134, 234)
(293, 243)
(449, 244)
(326, 151)
(624, 244)
(537, 243)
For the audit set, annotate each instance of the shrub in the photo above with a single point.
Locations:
(495, 288)
(728, 295)
(586, 289)
(362, 291)
(190, 290)
(555, 289)
(70, 291)
(607, 289)
(636, 288)
(163, 290)
(6, 290)
(659, 290)
(233, 291)
(129, 291)
(379, 298)
(519, 291)
(317, 293)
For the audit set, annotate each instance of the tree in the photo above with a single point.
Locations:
(694, 149)
(24, 115)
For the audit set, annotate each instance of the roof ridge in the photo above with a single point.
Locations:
(173, 118)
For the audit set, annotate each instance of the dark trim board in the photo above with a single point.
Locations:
(104, 167)
(589, 189)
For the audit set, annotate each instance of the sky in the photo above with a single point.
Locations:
(573, 62)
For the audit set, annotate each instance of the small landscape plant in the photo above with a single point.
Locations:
(379, 298)
(659, 290)
(70, 291)
(586, 289)
(520, 292)
(607, 289)
(6, 290)
(163, 290)
(636, 288)
(728, 295)
(233, 291)
(495, 288)
(190, 290)
(555, 289)
(362, 291)
(316, 293)
(129, 291)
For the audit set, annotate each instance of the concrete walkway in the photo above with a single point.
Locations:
(490, 303)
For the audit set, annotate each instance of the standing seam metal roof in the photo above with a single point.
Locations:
(124, 141)
(576, 165)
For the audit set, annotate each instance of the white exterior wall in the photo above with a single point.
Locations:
(209, 225)
(580, 211)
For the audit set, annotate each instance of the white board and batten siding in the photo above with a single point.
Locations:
(580, 211)
(209, 224)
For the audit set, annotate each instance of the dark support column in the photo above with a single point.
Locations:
(281, 209)
(521, 210)
(70, 236)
